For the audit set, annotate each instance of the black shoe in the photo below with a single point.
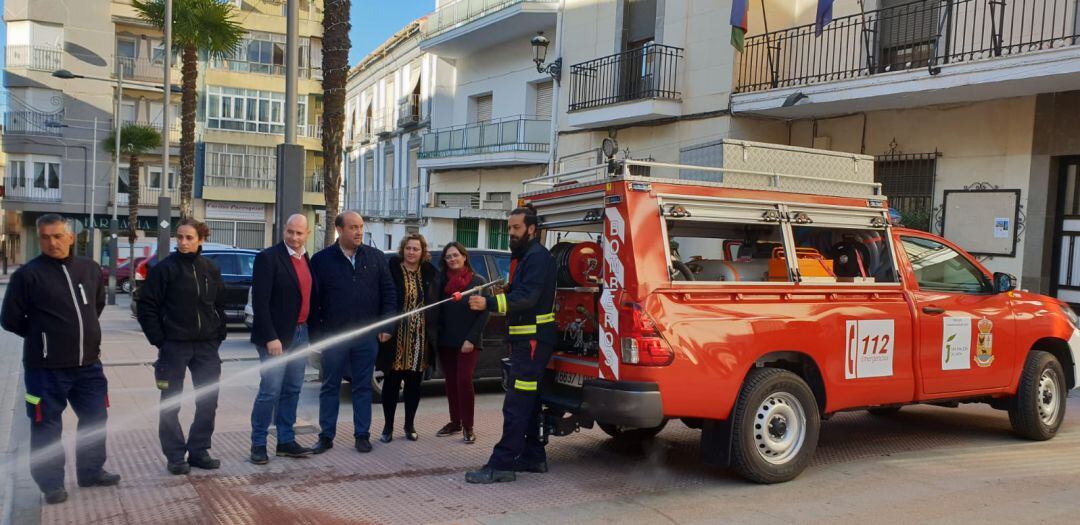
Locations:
(488, 475)
(468, 436)
(449, 430)
(203, 461)
(410, 434)
(104, 479)
(258, 455)
(363, 445)
(536, 468)
(387, 436)
(291, 450)
(178, 468)
(323, 445)
(53, 497)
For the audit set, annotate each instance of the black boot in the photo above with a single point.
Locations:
(53, 497)
(103, 479)
(178, 468)
(203, 461)
(323, 445)
(363, 445)
(488, 475)
(258, 455)
(292, 450)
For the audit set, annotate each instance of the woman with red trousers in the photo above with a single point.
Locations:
(460, 331)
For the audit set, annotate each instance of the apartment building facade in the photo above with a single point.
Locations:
(452, 168)
(970, 107)
(388, 107)
(57, 163)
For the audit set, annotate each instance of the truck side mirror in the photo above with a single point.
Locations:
(1004, 282)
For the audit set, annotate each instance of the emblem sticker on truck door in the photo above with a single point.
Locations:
(956, 343)
(868, 349)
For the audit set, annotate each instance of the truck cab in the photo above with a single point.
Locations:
(755, 304)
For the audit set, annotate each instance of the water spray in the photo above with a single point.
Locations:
(95, 433)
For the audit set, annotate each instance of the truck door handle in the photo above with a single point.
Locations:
(933, 310)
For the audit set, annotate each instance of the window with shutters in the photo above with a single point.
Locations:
(388, 170)
(482, 108)
(906, 33)
(467, 232)
(369, 172)
(542, 107)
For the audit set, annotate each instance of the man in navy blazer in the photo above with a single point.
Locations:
(283, 288)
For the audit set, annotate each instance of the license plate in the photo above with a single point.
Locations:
(570, 379)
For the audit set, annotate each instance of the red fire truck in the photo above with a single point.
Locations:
(755, 299)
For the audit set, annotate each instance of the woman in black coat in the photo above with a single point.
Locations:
(406, 356)
(460, 330)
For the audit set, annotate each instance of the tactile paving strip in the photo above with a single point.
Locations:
(422, 482)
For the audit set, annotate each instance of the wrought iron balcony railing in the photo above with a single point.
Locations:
(648, 72)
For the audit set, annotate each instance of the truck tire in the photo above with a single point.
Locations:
(884, 411)
(1038, 408)
(775, 426)
(631, 435)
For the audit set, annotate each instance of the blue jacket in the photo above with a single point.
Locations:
(529, 299)
(349, 297)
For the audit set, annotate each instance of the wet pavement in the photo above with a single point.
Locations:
(925, 464)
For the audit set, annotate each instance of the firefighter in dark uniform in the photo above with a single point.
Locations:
(528, 303)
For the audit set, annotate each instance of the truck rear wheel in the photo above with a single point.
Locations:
(775, 426)
(631, 435)
(1038, 408)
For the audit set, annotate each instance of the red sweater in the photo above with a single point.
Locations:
(303, 276)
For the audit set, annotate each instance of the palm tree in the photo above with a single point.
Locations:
(335, 66)
(206, 26)
(135, 140)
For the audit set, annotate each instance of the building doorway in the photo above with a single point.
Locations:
(1066, 262)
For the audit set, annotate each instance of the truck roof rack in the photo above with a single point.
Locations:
(743, 165)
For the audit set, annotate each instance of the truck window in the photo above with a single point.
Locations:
(844, 255)
(726, 252)
(940, 268)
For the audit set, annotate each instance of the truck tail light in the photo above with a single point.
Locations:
(140, 271)
(642, 343)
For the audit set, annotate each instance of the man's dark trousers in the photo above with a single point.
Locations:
(174, 359)
(358, 357)
(520, 442)
(48, 391)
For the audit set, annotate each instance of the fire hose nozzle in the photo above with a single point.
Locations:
(457, 296)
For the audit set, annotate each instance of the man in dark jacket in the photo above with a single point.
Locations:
(529, 307)
(53, 303)
(281, 292)
(355, 289)
(182, 312)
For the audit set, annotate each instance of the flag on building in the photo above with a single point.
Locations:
(738, 22)
(824, 15)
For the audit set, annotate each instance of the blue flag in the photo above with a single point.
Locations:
(824, 15)
(738, 22)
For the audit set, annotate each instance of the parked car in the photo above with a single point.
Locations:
(123, 277)
(489, 264)
(236, 266)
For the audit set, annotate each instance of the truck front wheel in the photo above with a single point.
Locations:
(1038, 408)
(775, 426)
(631, 435)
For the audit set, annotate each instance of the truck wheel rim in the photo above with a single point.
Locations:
(1049, 400)
(779, 428)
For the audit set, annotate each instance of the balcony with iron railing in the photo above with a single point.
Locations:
(500, 142)
(946, 50)
(313, 182)
(37, 58)
(632, 86)
(33, 122)
(32, 189)
(145, 70)
(174, 128)
(398, 203)
(148, 196)
(460, 27)
(410, 112)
